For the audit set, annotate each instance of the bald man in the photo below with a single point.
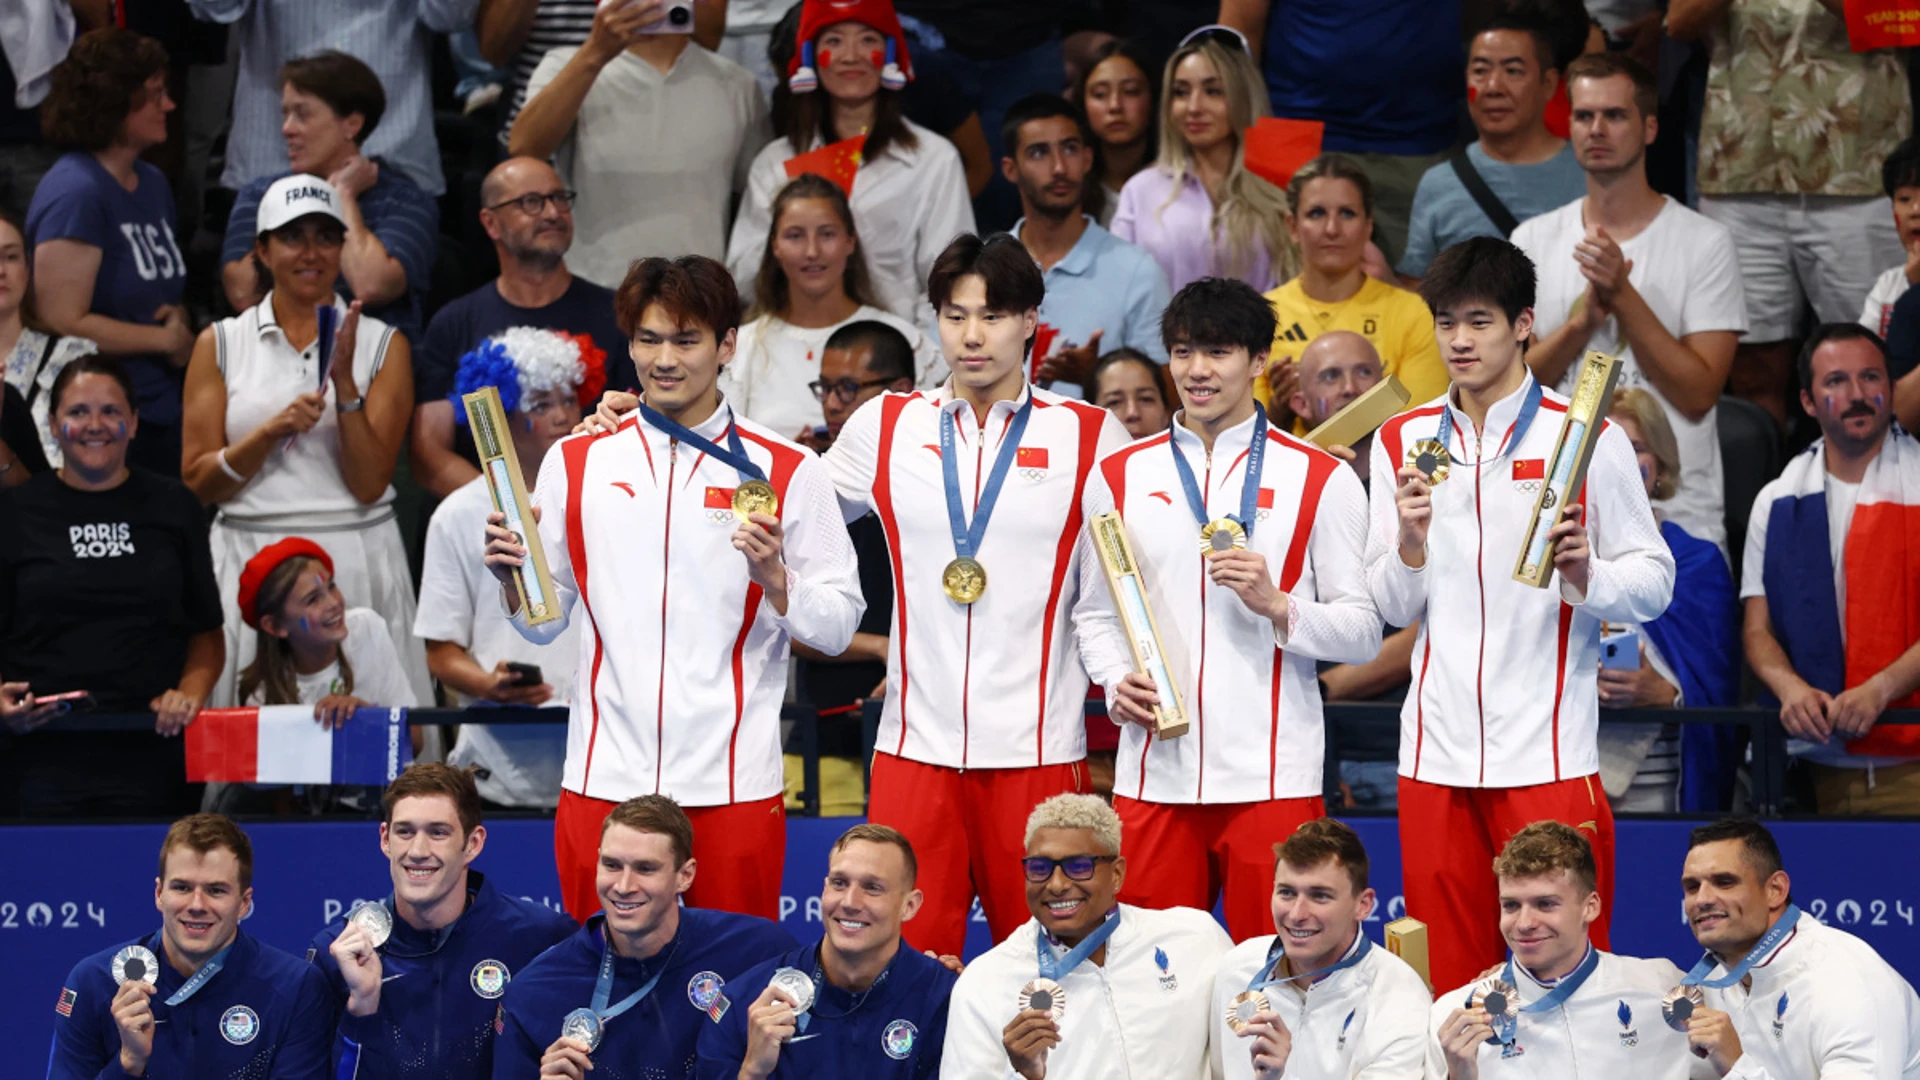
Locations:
(1334, 369)
(528, 212)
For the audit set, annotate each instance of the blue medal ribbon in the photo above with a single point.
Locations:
(1056, 967)
(1506, 1028)
(967, 538)
(735, 454)
(202, 977)
(1529, 408)
(603, 985)
(1354, 955)
(1249, 480)
(820, 982)
(1768, 942)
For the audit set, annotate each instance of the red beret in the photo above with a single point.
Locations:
(262, 564)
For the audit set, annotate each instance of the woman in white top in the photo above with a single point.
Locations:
(30, 359)
(910, 193)
(284, 448)
(813, 281)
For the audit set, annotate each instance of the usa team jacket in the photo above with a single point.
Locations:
(655, 1038)
(1823, 1006)
(1610, 1027)
(891, 1031)
(1366, 1022)
(996, 684)
(1249, 685)
(682, 666)
(266, 1016)
(1504, 675)
(441, 990)
(1143, 1015)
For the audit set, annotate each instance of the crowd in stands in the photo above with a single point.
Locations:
(235, 468)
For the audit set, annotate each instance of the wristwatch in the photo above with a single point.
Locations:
(355, 405)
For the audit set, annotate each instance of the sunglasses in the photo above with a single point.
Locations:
(1077, 867)
(1219, 35)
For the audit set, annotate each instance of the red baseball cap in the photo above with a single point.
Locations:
(262, 564)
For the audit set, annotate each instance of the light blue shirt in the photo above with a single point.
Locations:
(1444, 212)
(1104, 284)
(393, 37)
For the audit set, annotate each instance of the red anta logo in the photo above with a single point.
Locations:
(931, 446)
(1162, 496)
(624, 486)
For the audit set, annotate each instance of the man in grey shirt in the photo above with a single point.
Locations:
(1526, 168)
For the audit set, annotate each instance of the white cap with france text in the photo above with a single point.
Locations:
(291, 198)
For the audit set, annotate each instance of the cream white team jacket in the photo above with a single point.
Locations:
(1610, 1029)
(682, 665)
(1249, 685)
(1823, 1005)
(996, 684)
(1141, 1016)
(1366, 1022)
(1504, 675)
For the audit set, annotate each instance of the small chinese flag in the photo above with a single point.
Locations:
(1882, 24)
(1030, 457)
(719, 498)
(837, 162)
(1277, 147)
(1530, 469)
(1043, 338)
(1265, 501)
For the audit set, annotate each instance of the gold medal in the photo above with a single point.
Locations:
(1431, 458)
(1679, 1004)
(1224, 534)
(1244, 1007)
(1043, 994)
(754, 497)
(964, 580)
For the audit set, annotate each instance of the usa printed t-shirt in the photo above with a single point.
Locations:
(140, 263)
(100, 590)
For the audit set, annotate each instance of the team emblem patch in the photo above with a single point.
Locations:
(704, 991)
(1628, 1036)
(1168, 980)
(489, 979)
(898, 1039)
(1780, 1016)
(1341, 1043)
(240, 1025)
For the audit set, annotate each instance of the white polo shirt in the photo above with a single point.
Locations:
(1141, 1015)
(1368, 1020)
(996, 684)
(1610, 1027)
(1823, 1006)
(1250, 689)
(460, 602)
(1504, 675)
(682, 665)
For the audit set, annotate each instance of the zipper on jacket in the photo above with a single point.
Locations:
(666, 576)
(966, 668)
(1200, 677)
(1480, 567)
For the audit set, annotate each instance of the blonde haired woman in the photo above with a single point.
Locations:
(1197, 210)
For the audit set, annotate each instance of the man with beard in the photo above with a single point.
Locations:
(1102, 292)
(528, 212)
(1830, 550)
(1631, 272)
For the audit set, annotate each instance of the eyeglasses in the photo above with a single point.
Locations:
(1219, 35)
(1077, 867)
(844, 389)
(535, 203)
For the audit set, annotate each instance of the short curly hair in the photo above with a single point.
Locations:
(1070, 811)
(1545, 848)
(101, 82)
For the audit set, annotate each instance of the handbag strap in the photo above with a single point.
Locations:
(1476, 186)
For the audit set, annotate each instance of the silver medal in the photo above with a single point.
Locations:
(796, 984)
(136, 963)
(584, 1025)
(375, 919)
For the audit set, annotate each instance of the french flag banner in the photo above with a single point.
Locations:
(284, 744)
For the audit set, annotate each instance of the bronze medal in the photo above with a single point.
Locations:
(1244, 1007)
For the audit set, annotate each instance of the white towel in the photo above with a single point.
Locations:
(35, 35)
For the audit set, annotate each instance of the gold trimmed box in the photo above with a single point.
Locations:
(1567, 469)
(501, 466)
(1363, 415)
(1136, 620)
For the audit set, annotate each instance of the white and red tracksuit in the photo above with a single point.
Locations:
(1500, 724)
(683, 667)
(984, 713)
(1202, 811)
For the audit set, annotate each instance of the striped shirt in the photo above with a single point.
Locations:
(402, 217)
(393, 37)
(557, 24)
